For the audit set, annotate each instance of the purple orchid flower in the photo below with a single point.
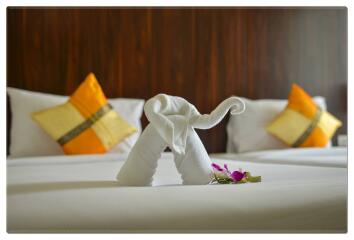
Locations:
(217, 167)
(223, 175)
(237, 175)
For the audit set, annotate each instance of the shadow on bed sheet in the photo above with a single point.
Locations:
(57, 186)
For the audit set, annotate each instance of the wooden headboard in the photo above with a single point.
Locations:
(201, 54)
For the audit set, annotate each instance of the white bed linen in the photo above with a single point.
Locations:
(325, 157)
(80, 194)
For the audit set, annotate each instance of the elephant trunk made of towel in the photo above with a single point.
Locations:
(172, 122)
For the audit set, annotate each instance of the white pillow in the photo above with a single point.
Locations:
(247, 131)
(28, 139)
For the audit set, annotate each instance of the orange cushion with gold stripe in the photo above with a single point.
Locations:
(86, 123)
(302, 123)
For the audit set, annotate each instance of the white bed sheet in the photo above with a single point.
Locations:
(325, 157)
(80, 194)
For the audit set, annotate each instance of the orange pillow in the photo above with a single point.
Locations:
(303, 123)
(86, 123)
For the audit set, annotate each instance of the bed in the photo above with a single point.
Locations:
(302, 190)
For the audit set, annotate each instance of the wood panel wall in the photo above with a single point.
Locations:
(201, 54)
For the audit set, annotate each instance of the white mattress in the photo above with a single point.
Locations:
(301, 191)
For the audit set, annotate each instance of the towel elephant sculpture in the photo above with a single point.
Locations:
(172, 123)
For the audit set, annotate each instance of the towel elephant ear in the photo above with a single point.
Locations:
(170, 116)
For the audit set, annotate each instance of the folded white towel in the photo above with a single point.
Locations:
(172, 122)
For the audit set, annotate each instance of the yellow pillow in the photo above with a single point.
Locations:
(86, 123)
(303, 123)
